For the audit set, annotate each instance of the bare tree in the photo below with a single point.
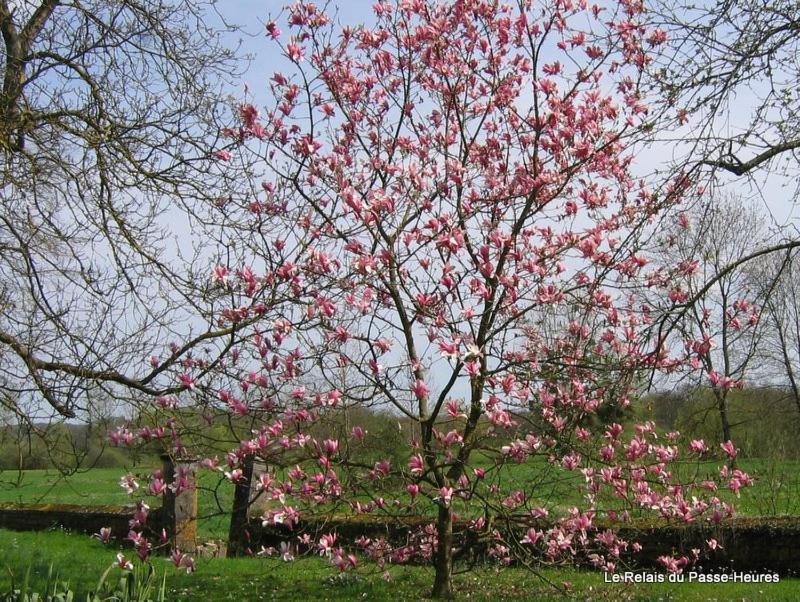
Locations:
(109, 109)
(728, 80)
(733, 74)
(782, 315)
(721, 310)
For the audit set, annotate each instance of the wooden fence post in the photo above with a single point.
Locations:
(180, 510)
(244, 499)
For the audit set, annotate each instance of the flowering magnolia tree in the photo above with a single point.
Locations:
(450, 213)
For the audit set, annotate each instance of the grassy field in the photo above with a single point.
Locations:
(777, 490)
(101, 486)
(81, 560)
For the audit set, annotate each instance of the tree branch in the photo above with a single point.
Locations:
(738, 168)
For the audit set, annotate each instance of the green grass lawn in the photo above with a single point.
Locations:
(95, 486)
(777, 490)
(101, 486)
(80, 560)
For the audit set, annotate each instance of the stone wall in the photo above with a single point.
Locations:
(72, 517)
(177, 515)
(747, 544)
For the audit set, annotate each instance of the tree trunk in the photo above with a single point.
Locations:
(788, 363)
(722, 403)
(443, 560)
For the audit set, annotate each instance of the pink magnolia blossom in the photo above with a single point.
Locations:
(129, 484)
(446, 495)
(104, 535)
(698, 446)
(326, 544)
(416, 464)
(420, 389)
(729, 449)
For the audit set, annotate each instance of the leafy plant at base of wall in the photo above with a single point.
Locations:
(138, 585)
(54, 591)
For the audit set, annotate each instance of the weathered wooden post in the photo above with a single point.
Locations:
(258, 500)
(244, 499)
(180, 510)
